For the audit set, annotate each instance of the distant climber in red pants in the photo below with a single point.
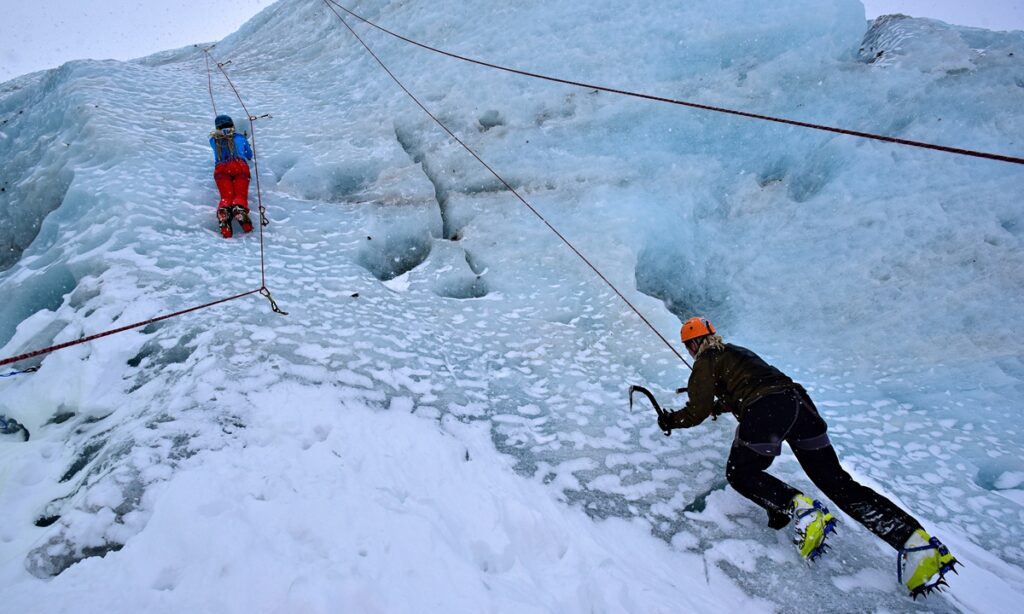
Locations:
(231, 172)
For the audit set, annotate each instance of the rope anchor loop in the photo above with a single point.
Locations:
(273, 304)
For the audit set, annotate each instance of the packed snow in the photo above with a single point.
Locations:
(440, 424)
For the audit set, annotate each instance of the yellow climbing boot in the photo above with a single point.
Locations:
(923, 563)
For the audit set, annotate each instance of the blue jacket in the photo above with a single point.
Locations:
(238, 149)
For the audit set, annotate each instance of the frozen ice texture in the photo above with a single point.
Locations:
(444, 408)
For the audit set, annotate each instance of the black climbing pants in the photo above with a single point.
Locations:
(790, 416)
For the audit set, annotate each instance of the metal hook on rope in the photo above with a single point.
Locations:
(253, 118)
(273, 304)
(263, 216)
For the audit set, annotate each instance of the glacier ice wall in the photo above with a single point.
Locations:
(884, 278)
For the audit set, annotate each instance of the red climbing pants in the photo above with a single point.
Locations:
(232, 179)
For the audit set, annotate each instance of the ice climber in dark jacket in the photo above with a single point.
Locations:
(772, 408)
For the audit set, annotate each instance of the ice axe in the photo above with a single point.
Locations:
(650, 397)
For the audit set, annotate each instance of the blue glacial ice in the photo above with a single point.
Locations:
(444, 410)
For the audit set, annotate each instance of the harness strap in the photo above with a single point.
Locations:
(226, 149)
(812, 443)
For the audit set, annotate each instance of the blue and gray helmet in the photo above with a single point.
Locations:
(223, 121)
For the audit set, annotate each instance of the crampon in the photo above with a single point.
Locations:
(813, 525)
(224, 222)
(922, 565)
(242, 215)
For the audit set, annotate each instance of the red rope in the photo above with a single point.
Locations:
(693, 105)
(259, 190)
(256, 168)
(510, 189)
(262, 290)
(209, 79)
(82, 340)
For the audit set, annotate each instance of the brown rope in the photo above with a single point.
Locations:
(693, 105)
(256, 168)
(61, 346)
(262, 290)
(209, 77)
(511, 189)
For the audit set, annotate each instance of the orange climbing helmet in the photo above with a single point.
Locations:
(695, 327)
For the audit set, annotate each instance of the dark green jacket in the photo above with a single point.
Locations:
(736, 376)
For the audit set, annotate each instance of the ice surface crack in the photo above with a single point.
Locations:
(418, 155)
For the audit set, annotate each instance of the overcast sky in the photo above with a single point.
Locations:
(38, 34)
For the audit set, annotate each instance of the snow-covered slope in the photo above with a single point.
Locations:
(440, 424)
